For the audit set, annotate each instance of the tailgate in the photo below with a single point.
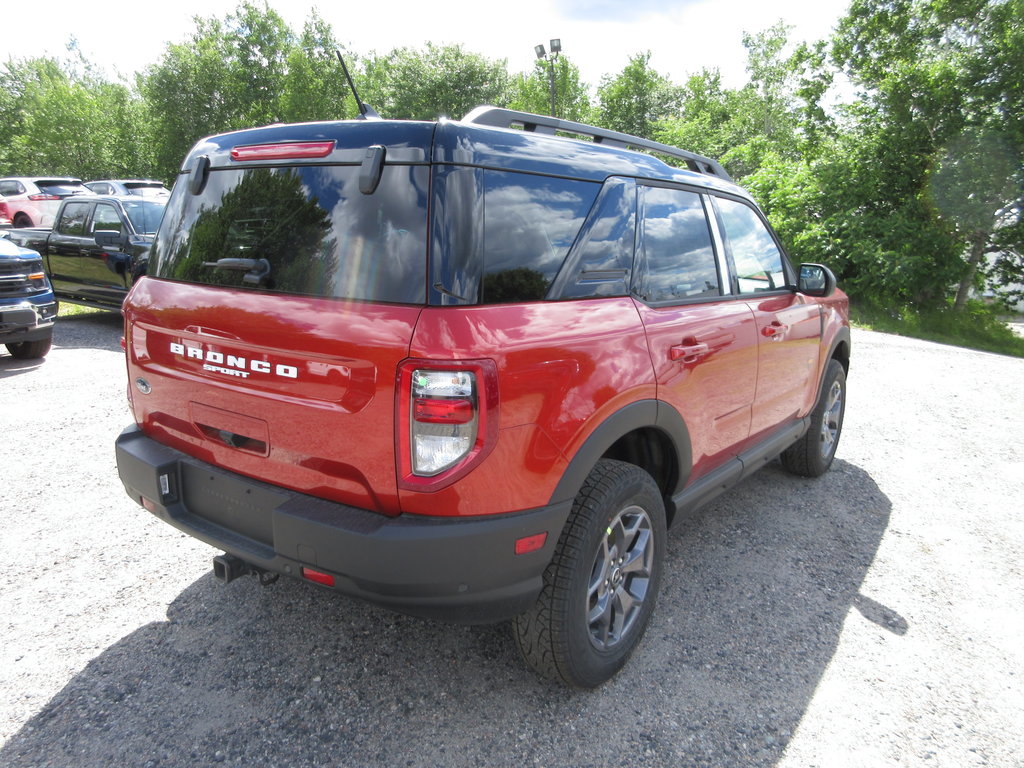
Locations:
(295, 391)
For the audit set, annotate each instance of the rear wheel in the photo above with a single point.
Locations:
(600, 588)
(22, 221)
(812, 454)
(28, 350)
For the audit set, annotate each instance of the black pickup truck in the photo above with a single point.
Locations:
(97, 248)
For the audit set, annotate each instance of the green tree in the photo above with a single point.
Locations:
(531, 92)
(62, 118)
(440, 80)
(937, 77)
(314, 86)
(230, 74)
(635, 99)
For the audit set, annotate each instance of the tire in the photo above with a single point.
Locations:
(601, 585)
(812, 454)
(29, 350)
(21, 221)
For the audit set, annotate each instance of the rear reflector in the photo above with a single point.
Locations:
(531, 543)
(289, 151)
(317, 576)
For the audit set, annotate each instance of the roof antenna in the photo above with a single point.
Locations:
(366, 112)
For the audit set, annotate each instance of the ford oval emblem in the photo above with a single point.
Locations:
(143, 386)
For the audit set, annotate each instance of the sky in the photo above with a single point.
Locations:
(599, 36)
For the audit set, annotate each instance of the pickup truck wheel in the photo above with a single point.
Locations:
(600, 587)
(812, 454)
(29, 350)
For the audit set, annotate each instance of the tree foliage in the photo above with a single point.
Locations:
(913, 190)
(635, 99)
(438, 81)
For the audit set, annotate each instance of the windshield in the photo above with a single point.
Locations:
(145, 215)
(304, 230)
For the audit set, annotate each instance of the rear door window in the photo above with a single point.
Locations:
(678, 257)
(304, 230)
(73, 218)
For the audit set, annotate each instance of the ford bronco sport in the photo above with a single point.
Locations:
(469, 369)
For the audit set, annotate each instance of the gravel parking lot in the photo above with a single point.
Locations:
(872, 617)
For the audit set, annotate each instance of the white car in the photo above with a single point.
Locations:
(32, 201)
(138, 187)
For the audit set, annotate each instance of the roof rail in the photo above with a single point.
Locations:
(507, 118)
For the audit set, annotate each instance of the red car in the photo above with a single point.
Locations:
(33, 201)
(470, 369)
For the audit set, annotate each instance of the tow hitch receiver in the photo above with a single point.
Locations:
(227, 568)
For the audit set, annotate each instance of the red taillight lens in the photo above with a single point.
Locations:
(295, 150)
(429, 411)
(37, 198)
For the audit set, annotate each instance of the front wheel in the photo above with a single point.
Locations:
(29, 350)
(812, 454)
(600, 587)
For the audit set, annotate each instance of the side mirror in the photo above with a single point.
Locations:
(110, 239)
(816, 280)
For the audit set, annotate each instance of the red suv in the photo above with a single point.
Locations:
(470, 369)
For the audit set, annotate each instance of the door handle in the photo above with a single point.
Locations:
(775, 330)
(688, 353)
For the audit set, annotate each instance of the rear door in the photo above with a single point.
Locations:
(67, 247)
(702, 339)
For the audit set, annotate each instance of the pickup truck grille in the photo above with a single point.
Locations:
(15, 279)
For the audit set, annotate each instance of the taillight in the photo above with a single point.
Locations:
(37, 198)
(446, 420)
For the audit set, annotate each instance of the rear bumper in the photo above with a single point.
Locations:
(462, 569)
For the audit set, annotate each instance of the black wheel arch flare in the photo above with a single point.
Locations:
(648, 433)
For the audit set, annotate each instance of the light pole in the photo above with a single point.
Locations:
(556, 48)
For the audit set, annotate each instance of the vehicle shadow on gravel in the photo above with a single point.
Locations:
(757, 591)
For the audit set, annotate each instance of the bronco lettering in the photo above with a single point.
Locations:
(233, 365)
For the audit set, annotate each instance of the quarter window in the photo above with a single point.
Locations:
(530, 222)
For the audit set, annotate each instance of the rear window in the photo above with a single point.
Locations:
(304, 230)
(143, 189)
(62, 188)
(145, 214)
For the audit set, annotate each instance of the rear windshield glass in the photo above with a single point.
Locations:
(146, 190)
(61, 187)
(304, 230)
(145, 214)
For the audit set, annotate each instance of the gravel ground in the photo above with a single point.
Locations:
(869, 618)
